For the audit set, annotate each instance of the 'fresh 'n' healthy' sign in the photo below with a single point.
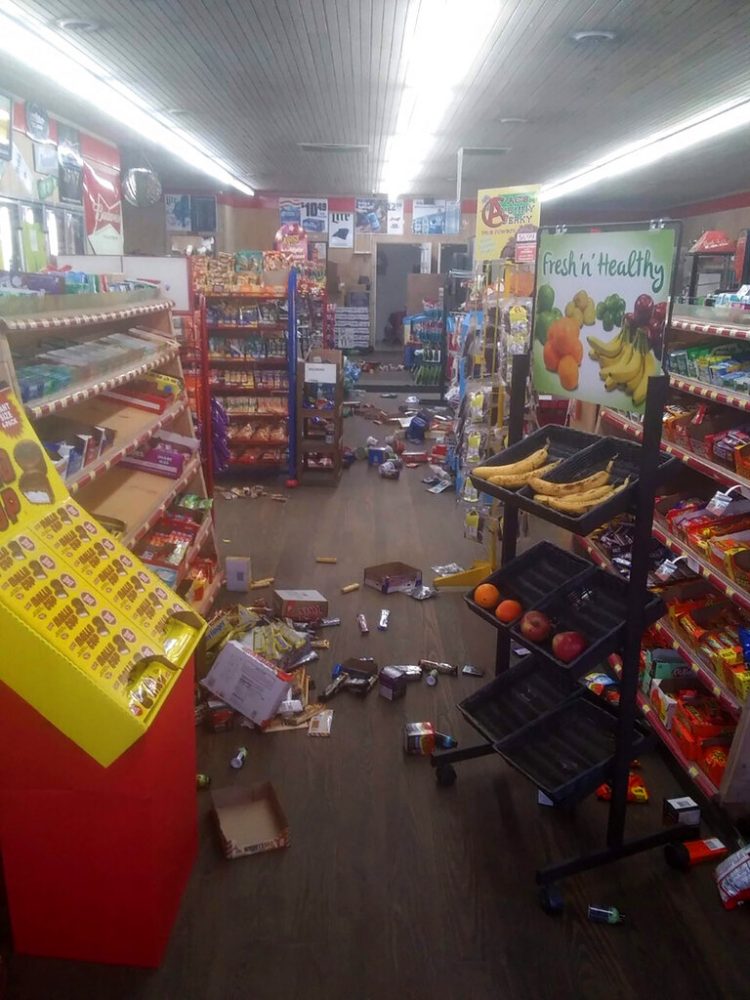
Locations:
(601, 308)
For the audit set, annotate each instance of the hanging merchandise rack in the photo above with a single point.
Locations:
(535, 715)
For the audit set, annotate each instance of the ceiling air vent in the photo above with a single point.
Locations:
(486, 150)
(332, 147)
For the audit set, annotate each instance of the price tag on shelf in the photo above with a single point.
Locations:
(693, 771)
(695, 668)
(646, 709)
(716, 691)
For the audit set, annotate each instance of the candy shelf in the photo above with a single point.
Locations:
(256, 296)
(136, 498)
(702, 780)
(273, 362)
(200, 540)
(62, 400)
(700, 565)
(22, 315)
(204, 605)
(136, 426)
(718, 472)
(718, 689)
(248, 328)
(740, 401)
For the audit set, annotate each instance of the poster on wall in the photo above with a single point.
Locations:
(290, 211)
(317, 253)
(203, 213)
(6, 127)
(395, 220)
(102, 208)
(178, 212)
(371, 215)
(70, 175)
(37, 122)
(341, 230)
(314, 216)
(601, 309)
(507, 221)
(291, 239)
(430, 217)
(45, 159)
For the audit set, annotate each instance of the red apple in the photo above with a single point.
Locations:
(535, 626)
(567, 646)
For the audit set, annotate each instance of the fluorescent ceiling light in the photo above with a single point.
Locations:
(443, 40)
(34, 44)
(658, 146)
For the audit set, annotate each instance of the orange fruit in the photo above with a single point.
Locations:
(551, 357)
(508, 611)
(486, 596)
(577, 353)
(567, 371)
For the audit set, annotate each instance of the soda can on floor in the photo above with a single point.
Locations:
(239, 758)
(202, 780)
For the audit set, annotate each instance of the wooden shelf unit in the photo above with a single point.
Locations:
(323, 367)
(104, 487)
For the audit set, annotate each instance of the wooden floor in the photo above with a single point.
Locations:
(393, 888)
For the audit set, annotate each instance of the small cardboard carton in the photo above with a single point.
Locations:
(250, 820)
(391, 577)
(300, 605)
(247, 683)
(238, 573)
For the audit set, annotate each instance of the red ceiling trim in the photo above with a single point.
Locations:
(741, 199)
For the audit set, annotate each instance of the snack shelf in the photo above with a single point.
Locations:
(200, 539)
(77, 317)
(245, 466)
(209, 597)
(711, 329)
(259, 296)
(60, 401)
(717, 688)
(265, 416)
(129, 418)
(222, 389)
(239, 415)
(740, 401)
(246, 328)
(718, 472)
(698, 564)
(136, 498)
(702, 780)
(272, 362)
(265, 445)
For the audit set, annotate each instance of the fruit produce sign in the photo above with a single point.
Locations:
(601, 309)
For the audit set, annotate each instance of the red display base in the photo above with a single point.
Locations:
(95, 858)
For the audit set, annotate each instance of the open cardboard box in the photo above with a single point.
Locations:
(250, 820)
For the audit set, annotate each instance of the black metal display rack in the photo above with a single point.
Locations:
(535, 714)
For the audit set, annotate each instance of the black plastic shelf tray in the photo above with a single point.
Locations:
(584, 462)
(532, 577)
(569, 752)
(563, 442)
(595, 605)
(517, 697)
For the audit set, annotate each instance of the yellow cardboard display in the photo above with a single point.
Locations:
(91, 638)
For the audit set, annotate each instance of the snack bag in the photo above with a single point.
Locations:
(732, 877)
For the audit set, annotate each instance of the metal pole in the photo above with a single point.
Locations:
(644, 515)
(292, 370)
(518, 378)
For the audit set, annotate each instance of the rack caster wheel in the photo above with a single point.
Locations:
(551, 900)
(445, 775)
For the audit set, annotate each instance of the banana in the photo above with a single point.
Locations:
(580, 503)
(632, 384)
(625, 370)
(596, 479)
(650, 367)
(528, 464)
(610, 383)
(609, 350)
(520, 478)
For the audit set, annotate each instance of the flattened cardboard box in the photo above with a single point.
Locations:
(250, 820)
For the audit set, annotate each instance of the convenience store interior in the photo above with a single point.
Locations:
(280, 285)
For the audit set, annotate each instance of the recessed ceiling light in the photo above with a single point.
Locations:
(513, 120)
(80, 25)
(593, 36)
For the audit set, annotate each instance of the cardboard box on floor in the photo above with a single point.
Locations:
(300, 605)
(247, 683)
(250, 820)
(392, 577)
